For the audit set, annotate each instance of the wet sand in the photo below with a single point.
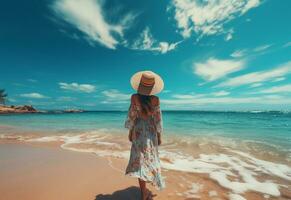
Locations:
(29, 172)
(91, 166)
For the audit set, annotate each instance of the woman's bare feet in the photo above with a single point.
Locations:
(147, 195)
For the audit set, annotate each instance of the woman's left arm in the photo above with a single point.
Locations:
(130, 120)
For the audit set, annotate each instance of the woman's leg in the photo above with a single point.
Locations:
(143, 189)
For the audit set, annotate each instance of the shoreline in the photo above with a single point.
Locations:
(4, 109)
(26, 109)
(191, 177)
(48, 172)
(51, 173)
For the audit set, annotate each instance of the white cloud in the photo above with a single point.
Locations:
(258, 77)
(166, 91)
(229, 35)
(33, 95)
(262, 48)
(189, 102)
(222, 100)
(146, 42)
(12, 100)
(164, 47)
(220, 93)
(188, 96)
(278, 89)
(256, 50)
(193, 95)
(67, 99)
(88, 88)
(32, 80)
(213, 69)
(279, 79)
(208, 17)
(239, 53)
(256, 85)
(274, 96)
(88, 17)
(250, 4)
(115, 95)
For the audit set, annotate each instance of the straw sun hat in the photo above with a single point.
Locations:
(147, 83)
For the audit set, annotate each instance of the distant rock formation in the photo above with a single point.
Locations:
(17, 109)
(73, 111)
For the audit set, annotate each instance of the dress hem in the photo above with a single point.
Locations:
(133, 175)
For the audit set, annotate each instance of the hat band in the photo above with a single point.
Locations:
(147, 84)
(145, 89)
(147, 81)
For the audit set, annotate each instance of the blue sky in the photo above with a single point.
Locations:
(212, 55)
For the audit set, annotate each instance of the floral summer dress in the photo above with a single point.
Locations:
(144, 162)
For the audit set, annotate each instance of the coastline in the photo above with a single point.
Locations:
(47, 173)
(201, 169)
(17, 109)
(27, 109)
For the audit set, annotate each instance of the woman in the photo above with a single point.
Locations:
(144, 121)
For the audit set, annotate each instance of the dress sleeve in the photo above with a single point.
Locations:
(131, 117)
(158, 119)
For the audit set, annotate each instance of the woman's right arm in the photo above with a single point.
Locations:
(158, 120)
(130, 135)
(159, 138)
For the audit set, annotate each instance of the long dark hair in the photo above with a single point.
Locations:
(145, 101)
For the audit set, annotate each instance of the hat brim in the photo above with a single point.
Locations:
(157, 88)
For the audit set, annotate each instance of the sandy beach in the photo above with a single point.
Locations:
(34, 171)
(30, 172)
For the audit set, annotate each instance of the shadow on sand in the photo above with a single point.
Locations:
(130, 193)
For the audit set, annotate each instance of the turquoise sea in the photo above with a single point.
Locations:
(269, 127)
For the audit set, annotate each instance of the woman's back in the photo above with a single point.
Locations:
(137, 102)
(137, 119)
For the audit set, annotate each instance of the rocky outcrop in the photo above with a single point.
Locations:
(17, 109)
(73, 111)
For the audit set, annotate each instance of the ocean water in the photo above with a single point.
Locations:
(242, 152)
(269, 127)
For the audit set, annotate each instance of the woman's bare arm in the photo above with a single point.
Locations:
(132, 102)
(130, 135)
(159, 138)
(156, 102)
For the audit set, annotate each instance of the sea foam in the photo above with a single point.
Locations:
(234, 170)
(239, 173)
